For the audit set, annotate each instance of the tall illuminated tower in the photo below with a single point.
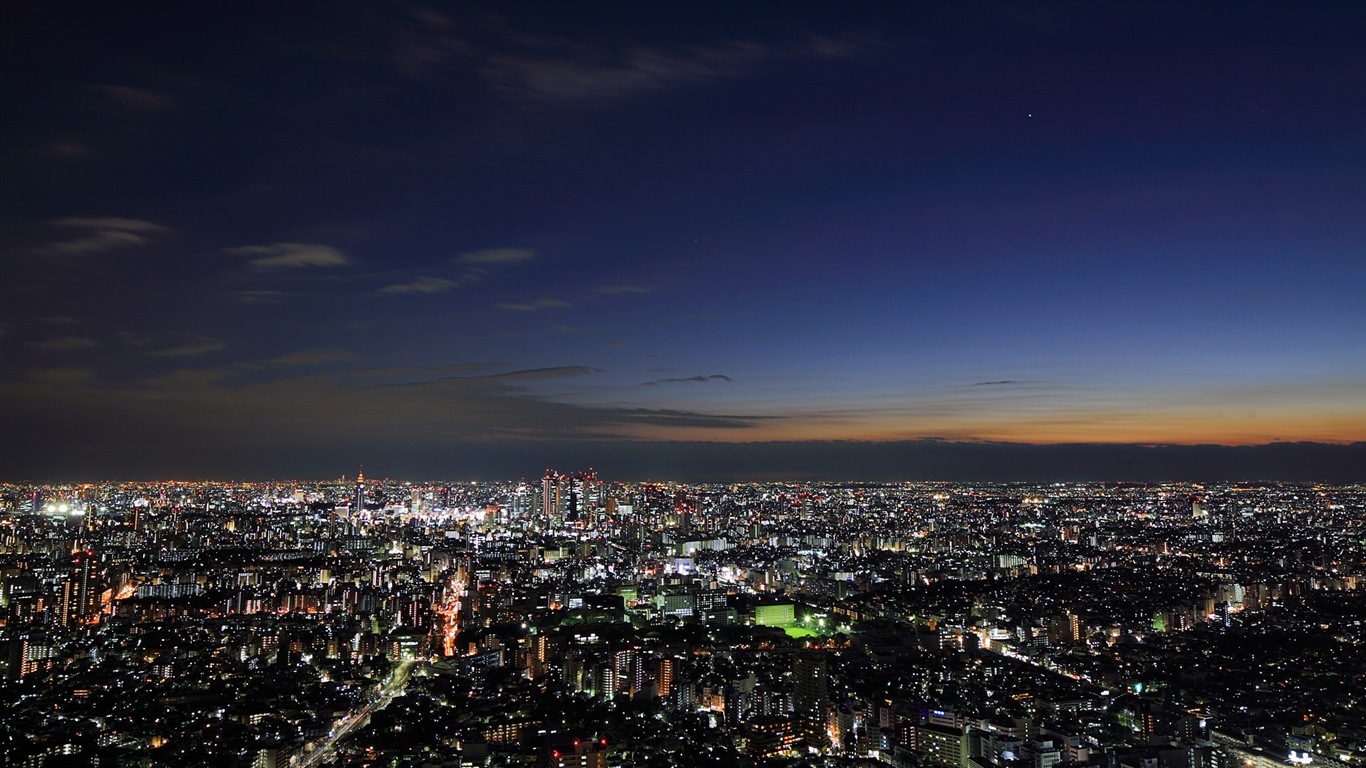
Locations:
(551, 486)
(521, 501)
(80, 593)
(358, 503)
(585, 493)
(811, 697)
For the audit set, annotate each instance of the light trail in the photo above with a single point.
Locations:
(395, 685)
(449, 613)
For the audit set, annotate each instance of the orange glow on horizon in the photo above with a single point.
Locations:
(1170, 427)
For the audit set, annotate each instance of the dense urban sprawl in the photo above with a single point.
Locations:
(575, 621)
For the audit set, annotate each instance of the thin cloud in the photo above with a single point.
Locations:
(1002, 383)
(422, 285)
(641, 70)
(562, 328)
(289, 256)
(476, 265)
(99, 234)
(556, 372)
(259, 297)
(100, 241)
(566, 76)
(194, 349)
(318, 356)
(489, 256)
(695, 379)
(317, 412)
(63, 343)
(132, 99)
(427, 372)
(419, 46)
(688, 419)
(534, 306)
(109, 222)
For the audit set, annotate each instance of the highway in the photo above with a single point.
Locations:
(323, 748)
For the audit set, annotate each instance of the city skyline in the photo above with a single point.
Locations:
(1004, 241)
(581, 620)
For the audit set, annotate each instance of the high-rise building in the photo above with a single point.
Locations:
(664, 677)
(25, 598)
(811, 697)
(630, 672)
(66, 604)
(80, 595)
(35, 653)
(585, 495)
(552, 484)
(521, 501)
(683, 511)
(358, 502)
(604, 676)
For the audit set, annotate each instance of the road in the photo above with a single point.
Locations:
(323, 748)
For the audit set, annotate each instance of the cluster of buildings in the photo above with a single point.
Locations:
(576, 621)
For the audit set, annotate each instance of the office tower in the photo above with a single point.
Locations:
(552, 486)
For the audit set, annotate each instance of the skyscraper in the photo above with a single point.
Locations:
(551, 487)
(80, 593)
(664, 677)
(358, 502)
(811, 697)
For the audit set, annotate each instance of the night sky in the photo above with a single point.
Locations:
(908, 240)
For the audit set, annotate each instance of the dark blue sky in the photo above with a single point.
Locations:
(477, 239)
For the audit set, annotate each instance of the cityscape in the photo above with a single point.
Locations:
(470, 384)
(574, 620)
